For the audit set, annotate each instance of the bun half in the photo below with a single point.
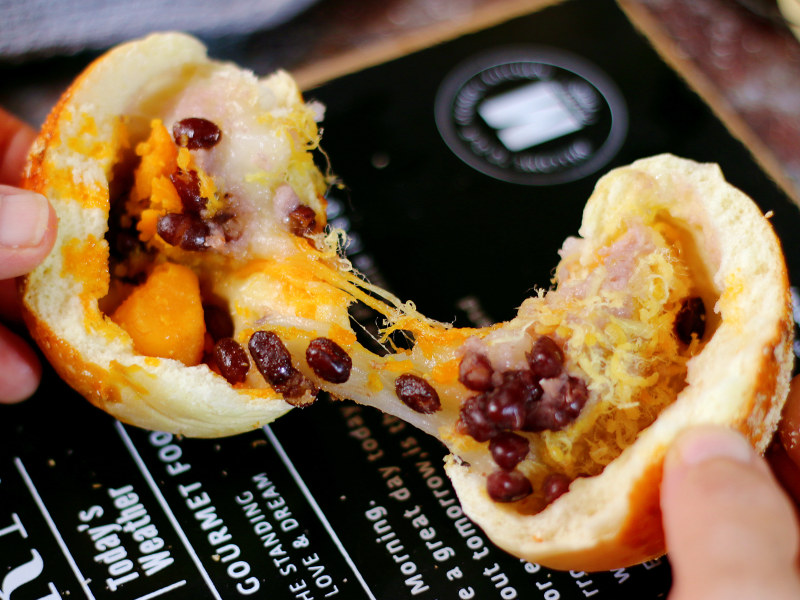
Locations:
(74, 163)
(740, 379)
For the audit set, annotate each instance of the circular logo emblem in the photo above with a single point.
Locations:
(531, 115)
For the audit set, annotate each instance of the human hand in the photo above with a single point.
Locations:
(732, 532)
(27, 233)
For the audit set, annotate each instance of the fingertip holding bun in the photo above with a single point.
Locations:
(130, 197)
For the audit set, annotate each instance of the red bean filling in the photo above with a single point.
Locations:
(473, 420)
(196, 133)
(475, 372)
(691, 320)
(187, 184)
(328, 360)
(184, 230)
(554, 486)
(546, 359)
(508, 449)
(508, 404)
(302, 220)
(231, 359)
(272, 358)
(417, 394)
(517, 401)
(274, 362)
(556, 411)
(508, 486)
(190, 229)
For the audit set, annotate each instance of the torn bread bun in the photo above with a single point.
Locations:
(737, 377)
(84, 162)
(196, 288)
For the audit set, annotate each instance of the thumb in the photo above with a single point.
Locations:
(27, 230)
(730, 530)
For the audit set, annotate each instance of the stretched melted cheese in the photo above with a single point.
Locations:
(613, 310)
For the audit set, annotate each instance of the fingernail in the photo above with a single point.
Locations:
(703, 444)
(23, 218)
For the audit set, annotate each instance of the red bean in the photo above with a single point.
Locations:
(546, 359)
(274, 362)
(184, 230)
(576, 396)
(417, 394)
(195, 133)
(555, 485)
(302, 220)
(328, 360)
(187, 184)
(196, 235)
(231, 359)
(545, 415)
(271, 357)
(295, 389)
(475, 372)
(473, 421)
(557, 410)
(171, 227)
(507, 404)
(691, 320)
(508, 486)
(508, 449)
